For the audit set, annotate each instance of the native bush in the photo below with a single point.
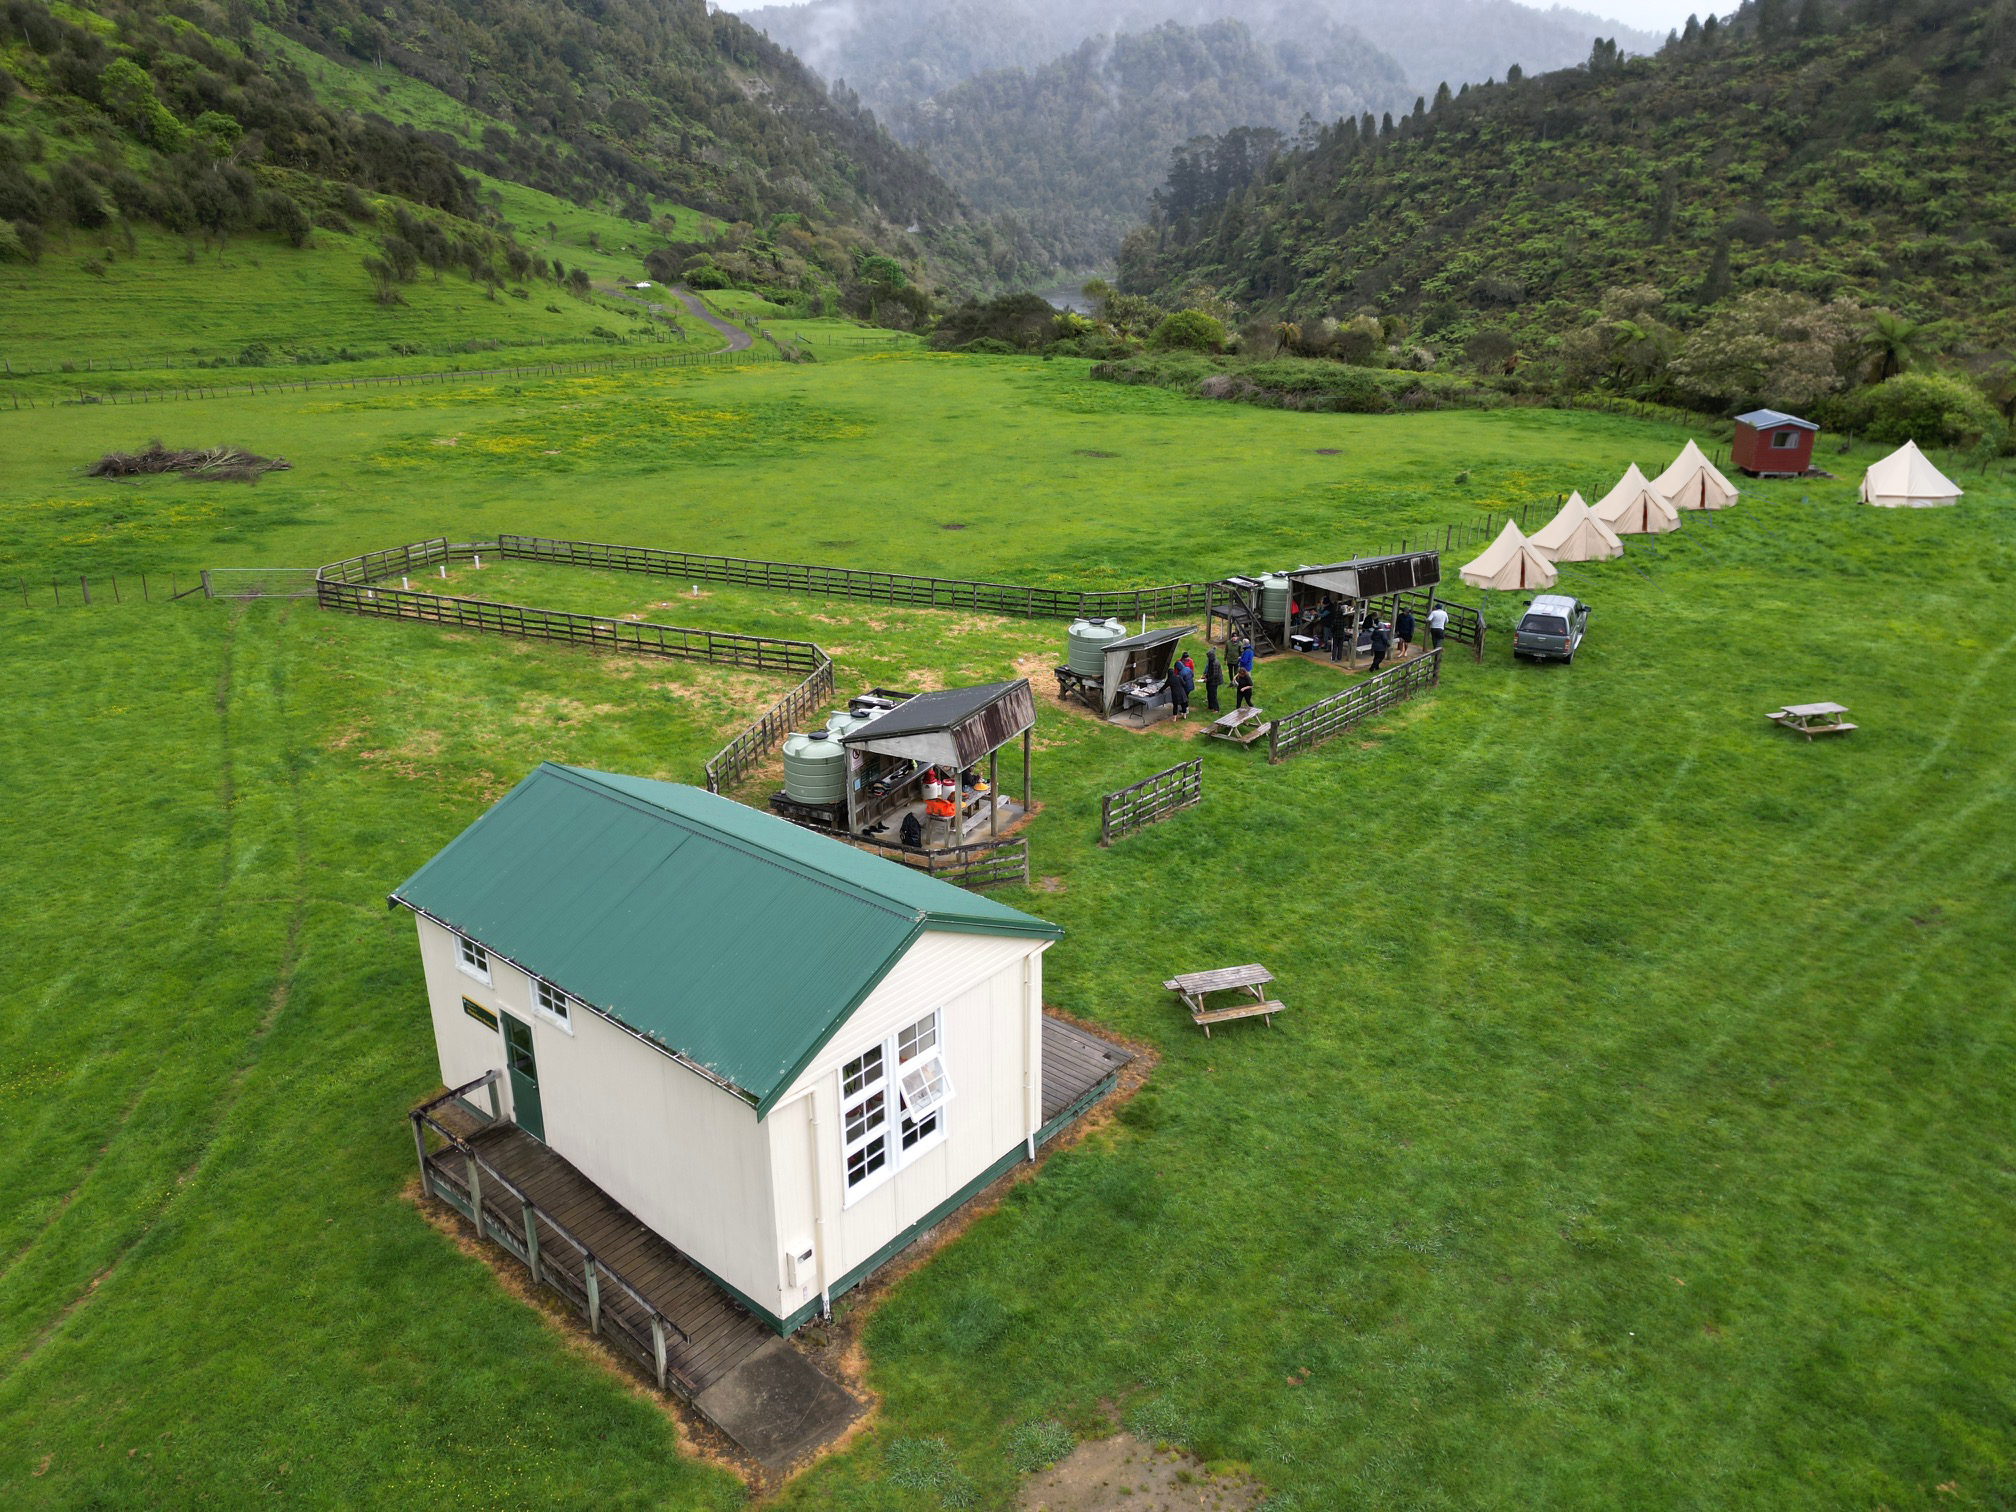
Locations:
(1928, 408)
(1190, 330)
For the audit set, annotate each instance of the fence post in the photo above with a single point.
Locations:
(84, 583)
(206, 583)
(475, 1193)
(531, 1242)
(1106, 820)
(420, 1150)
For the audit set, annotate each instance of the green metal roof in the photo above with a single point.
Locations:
(730, 938)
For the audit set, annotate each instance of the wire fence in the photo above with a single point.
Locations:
(434, 378)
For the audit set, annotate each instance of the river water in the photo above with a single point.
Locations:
(1067, 296)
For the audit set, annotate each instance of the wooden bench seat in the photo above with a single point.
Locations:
(1210, 1016)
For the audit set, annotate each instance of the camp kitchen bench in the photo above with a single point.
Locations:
(1812, 719)
(1195, 988)
(1243, 725)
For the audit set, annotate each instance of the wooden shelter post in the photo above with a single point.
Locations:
(1025, 769)
(993, 791)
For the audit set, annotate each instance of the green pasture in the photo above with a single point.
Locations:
(1637, 1134)
(143, 319)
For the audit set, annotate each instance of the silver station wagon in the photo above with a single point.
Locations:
(1551, 627)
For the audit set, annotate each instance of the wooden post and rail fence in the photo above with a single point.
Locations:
(1326, 718)
(556, 1259)
(1152, 799)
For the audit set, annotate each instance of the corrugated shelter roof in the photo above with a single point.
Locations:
(1152, 638)
(930, 712)
(1768, 419)
(730, 939)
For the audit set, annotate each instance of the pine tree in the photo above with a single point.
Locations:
(1812, 21)
(1442, 95)
(1693, 30)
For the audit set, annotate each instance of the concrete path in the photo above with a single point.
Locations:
(737, 338)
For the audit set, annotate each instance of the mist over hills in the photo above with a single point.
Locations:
(899, 52)
(1075, 148)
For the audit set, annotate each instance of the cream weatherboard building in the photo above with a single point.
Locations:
(786, 1056)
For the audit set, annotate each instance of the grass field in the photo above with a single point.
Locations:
(1637, 1134)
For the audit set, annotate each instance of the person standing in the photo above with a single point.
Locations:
(1246, 656)
(1382, 642)
(1340, 631)
(1403, 630)
(1438, 622)
(1214, 679)
(1179, 696)
(1242, 684)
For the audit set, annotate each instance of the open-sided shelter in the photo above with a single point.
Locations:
(786, 1056)
(1359, 583)
(1635, 507)
(1693, 482)
(1510, 562)
(950, 732)
(1136, 670)
(1769, 443)
(1906, 479)
(1576, 535)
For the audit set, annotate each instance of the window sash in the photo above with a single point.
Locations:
(552, 1002)
(925, 1086)
(472, 958)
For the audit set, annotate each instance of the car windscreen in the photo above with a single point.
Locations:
(1543, 624)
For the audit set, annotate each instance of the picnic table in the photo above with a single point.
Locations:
(1812, 719)
(1243, 725)
(1196, 989)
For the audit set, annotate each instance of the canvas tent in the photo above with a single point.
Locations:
(1693, 483)
(1906, 479)
(1635, 507)
(1510, 562)
(1576, 535)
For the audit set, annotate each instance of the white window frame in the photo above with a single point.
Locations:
(464, 946)
(912, 1057)
(869, 1102)
(1785, 440)
(562, 1018)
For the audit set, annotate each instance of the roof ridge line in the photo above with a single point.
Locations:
(756, 852)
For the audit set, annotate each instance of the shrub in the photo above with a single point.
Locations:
(1928, 408)
(1188, 330)
(987, 346)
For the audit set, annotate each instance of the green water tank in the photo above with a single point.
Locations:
(1086, 641)
(1274, 592)
(815, 768)
(841, 722)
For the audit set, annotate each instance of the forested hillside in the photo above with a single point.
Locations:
(213, 119)
(1076, 147)
(1836, 156)
(899, 52)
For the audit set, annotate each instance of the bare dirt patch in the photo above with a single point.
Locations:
(1124, 1474)
(1043, 683)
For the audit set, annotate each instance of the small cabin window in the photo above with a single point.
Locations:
(553, 1004)
(472, 958)
(1784, 440)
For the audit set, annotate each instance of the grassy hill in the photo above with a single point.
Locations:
(564, 147)
(1855, 155)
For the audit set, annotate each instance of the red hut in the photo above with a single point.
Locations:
(1773, 445)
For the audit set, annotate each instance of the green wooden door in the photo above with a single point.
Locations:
(524, 1072)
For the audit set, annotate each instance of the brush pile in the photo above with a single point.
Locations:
(218, 464)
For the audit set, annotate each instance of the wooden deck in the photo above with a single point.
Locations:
(1078, 1069)
(722, 1333)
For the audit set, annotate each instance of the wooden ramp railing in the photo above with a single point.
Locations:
(475, 1188)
